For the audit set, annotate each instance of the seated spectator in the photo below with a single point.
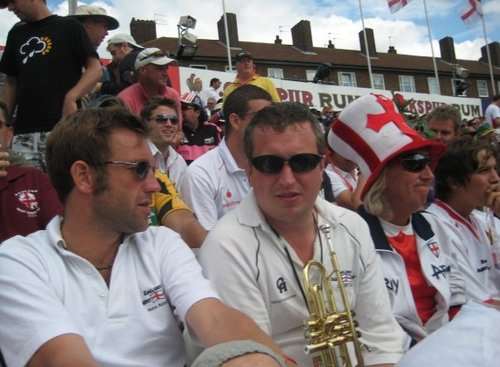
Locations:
(160, 115)
(199, 135)
(27, 199)
(466, 182)
(151, 66)
(444, 122)
(424, 283)
(120, 46)
(100, 288)
(217, 181)
(345, 180)
(259, 253)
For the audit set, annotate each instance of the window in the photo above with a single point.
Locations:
(482, 88)
(198, 66)
(347, 79)
(276, 73)
(407, 83)
(378, 81)
(310, 75)
(433, 86)
(460, 87)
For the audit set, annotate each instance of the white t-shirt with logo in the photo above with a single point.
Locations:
(47, 291)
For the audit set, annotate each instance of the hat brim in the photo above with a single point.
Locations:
(435, 149)
(162, 61)
(111, 22)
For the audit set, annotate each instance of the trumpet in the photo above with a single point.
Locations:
(328, 330)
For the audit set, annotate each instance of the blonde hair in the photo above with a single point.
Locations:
(374, 201)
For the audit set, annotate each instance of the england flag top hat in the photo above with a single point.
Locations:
(370, 131)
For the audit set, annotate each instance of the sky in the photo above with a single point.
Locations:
(336, 20)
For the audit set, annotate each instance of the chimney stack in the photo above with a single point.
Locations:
(301, 36)
(330, 44)
(447, 47)
(143, 30)
(371, 42)
(278, 40)
(232, 28)
(392, 50)
(494, 52)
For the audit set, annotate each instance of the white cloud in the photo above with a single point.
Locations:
(260, 21)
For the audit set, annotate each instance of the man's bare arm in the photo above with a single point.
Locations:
(87, 82)
(61, 351)
(9, 93)
(213, 322)
(185, 223)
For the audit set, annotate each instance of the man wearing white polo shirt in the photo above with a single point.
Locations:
(98, 287)
(256, 255)
(216, 182)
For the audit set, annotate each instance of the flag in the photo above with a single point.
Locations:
(395, 5)
(472, 12)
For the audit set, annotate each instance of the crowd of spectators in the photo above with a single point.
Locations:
(107, 173)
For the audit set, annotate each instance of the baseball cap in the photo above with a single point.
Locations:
(123, 38)
(152, 55)
(89, 11)
(242, 55)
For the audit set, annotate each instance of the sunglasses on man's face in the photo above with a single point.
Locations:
(414, 162)
(140, 168)
(162, 119)
(299, 163)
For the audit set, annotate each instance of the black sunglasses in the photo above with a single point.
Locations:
(299, 163)
(162, 119)
(414, 162)
(141, 168)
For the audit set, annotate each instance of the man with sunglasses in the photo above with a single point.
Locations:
(99, 287)
(423, 281)
(151, 66)
(466, 183)
(168, 208)
(216, 182)
(255, 255)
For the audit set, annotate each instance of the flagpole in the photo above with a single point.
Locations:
(226, 30)
(72, 4)
(493, 87)
(436, 75)
(367, 50)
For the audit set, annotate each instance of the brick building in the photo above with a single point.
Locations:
(300, 60)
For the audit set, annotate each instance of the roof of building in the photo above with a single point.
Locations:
(289, 54)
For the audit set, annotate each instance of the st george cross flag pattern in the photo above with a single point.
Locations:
(395, 5)
(472, 12)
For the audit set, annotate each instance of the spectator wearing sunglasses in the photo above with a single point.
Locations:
(160, 114)
(216, 182)
(423, 282)
(76, 291)
(200, 136)
(255, 255)
(168, 207)
(466, 183)
(151, 66)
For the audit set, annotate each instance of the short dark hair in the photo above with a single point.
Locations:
(154, 103)
(459, 162)
(214, 80)
(237, 102)
(84, 136)
(446, 112)
(495, 98)
(278, 117)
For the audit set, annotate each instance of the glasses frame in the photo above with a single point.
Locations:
(294, 162)
(415, 162)
(140, 168)
(174, 119)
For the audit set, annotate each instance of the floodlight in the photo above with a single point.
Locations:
(187, 21)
